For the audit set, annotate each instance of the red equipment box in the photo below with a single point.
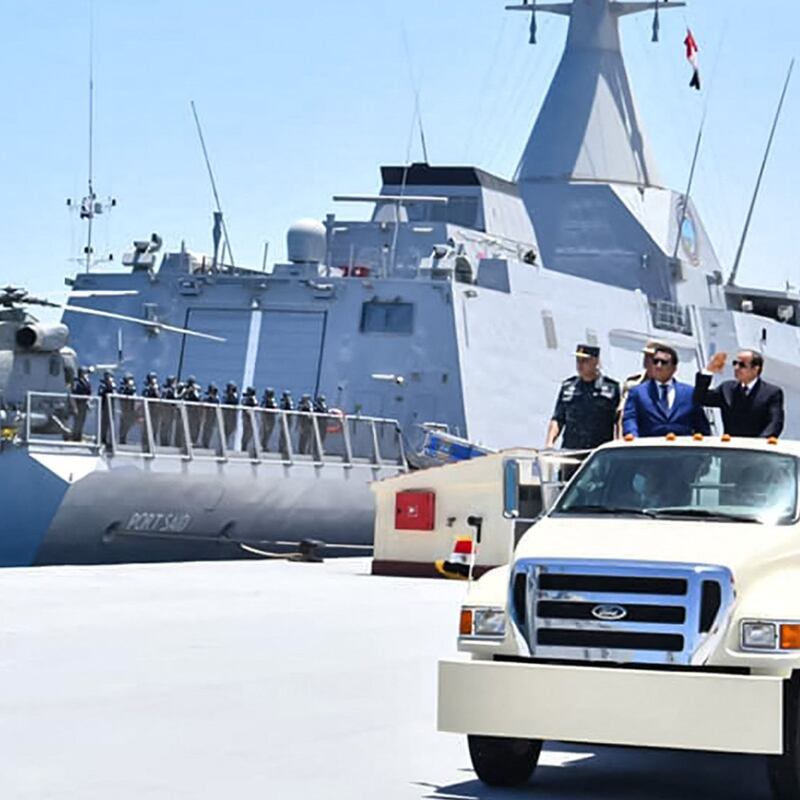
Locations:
(415, 511)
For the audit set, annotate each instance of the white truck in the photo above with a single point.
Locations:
(656, 604)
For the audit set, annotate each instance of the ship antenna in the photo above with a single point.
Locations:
(91, 136)
(89, 207)
(219, 215)
(688, 194)
(417, 103)
(738, 261)
(404, 183)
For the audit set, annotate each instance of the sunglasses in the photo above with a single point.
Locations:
(662, 362)
(742, 364)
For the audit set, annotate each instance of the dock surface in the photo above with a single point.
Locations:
(266, 680)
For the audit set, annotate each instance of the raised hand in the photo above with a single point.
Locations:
(717, 363)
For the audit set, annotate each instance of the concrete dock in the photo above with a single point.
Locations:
(266, 680)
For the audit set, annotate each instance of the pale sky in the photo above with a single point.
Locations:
(301, 101)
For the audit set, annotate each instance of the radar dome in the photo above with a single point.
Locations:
(306, 242)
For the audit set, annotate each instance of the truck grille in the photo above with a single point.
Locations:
(622, 612)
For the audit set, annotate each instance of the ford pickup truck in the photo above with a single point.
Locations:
(656, 604)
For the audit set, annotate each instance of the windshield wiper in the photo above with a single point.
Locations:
(609, 510)
(700, 513)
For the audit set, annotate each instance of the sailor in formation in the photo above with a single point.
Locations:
(152, 391)
(305, 424)
(287, 404)
(211, 401)
(249, 401)
(170, 413)
(194, 414)
(127, 407)
(269, 402)
(586, 407)
(321, 407)
(167, 419)
(107, 388)
(230, 400)
(81, 390)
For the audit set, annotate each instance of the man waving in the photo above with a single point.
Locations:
(750, 406)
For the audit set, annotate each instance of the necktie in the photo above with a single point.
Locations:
(664, 388)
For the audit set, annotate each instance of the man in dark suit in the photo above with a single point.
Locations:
(662, 405)
(750, 406)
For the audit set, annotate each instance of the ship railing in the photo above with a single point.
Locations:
(71, 421)
(150, 428)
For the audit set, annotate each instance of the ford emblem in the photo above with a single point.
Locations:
(608, 613)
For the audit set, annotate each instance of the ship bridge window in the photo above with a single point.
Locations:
(394, 317)
(461, 211)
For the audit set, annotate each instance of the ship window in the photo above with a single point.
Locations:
(377, 317)
(55, 366)
(463, 211)
(458, 211)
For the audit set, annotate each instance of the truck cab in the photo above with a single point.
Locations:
(656, 604)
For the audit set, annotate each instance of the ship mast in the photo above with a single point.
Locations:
(89, 206)
(601, 139)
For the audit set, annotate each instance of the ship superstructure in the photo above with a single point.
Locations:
(459, 302)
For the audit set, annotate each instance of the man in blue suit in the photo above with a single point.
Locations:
(662, 405)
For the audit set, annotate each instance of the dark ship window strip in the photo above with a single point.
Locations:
(377, 317)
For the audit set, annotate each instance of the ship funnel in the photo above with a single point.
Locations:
(306, 242)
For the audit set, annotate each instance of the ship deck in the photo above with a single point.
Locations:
(265, 680)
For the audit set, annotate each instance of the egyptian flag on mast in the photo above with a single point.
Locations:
(691, 53)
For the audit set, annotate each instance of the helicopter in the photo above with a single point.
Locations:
(36, 357)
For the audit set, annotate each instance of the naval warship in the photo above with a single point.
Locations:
(455, 307)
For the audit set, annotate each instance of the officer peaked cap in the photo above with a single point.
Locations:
(587, 351)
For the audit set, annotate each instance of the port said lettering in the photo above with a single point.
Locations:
(147, 522)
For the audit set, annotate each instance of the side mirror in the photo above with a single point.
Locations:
(511, 489)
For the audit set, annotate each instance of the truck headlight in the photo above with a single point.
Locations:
(759, 636)
(483, 623)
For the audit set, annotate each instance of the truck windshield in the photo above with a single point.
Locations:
(701, 483)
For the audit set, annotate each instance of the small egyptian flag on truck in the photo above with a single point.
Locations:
(691, 54)
(457, 566)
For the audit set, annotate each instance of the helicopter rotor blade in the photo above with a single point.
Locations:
(147, 323)
(85, 294)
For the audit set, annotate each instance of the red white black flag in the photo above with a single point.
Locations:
(691, 53)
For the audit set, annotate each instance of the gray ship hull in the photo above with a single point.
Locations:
(81, 504)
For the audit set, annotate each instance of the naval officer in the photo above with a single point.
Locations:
(587, 403)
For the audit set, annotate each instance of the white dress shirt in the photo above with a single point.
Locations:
(748, 387)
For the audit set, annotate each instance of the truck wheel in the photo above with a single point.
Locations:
(784, 770)
(504, 762)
